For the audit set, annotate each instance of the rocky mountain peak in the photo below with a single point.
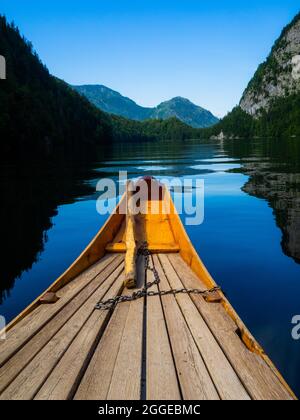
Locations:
(279, 75)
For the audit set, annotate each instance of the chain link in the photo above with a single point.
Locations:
(143, 250)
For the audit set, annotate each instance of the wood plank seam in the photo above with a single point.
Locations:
(75, 336)
(194, 379)
(250, 360)
(192, 336)
(97, 377)
(228, 385)
(90, 353)
(23, 376)
(129, 358)
(167, 334)
(107, 315)
(119, 346)
(54, 310)
(143, 272)
(9, 371)
(221, 345)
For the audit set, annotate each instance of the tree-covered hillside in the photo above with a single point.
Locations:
(43, 117)
(113, 102)
(279, 75)
(152, 130)
(39, 114)
(270, 105)
(280, 121)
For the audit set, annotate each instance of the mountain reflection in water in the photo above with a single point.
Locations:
(249, 240)
(274, 175)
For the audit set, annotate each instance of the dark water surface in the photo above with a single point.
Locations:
(249, 240)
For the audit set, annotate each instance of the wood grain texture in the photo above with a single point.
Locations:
(33, 376)
(222, 373)
(126, 378)
(195, 381)
(257, 377)
(161, 377)
(36, 320)
(97, 378)
(64, 379)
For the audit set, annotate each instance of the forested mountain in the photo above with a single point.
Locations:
(270, 105)
(113, 102)
(39, 114)
(185, 111)
(279, 75)
(43, 117)
(125, 130)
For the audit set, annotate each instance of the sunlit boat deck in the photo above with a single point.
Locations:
(172, 347)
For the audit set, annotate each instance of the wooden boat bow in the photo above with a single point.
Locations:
(191, 346)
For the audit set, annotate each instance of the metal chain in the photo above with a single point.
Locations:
(143, 250)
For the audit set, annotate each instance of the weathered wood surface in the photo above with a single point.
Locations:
(161, 376)
(36, 320)
(35, 373)
(157, 347)
(194, 378)
(184, 346)
(64, 379)
(224, 377)
(257, 377)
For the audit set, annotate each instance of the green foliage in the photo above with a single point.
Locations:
(237, 123)
(111, 101)
(152, 130)
(271, 66)
(40, 115)
(281, 120)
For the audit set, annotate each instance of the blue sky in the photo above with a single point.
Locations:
(152, 50)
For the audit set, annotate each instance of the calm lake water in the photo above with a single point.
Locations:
(249, 240)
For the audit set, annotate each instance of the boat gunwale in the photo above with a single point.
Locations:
(67, 276)
(201, 272)
(95, 250)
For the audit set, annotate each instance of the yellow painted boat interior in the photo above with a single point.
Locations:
(162, 347)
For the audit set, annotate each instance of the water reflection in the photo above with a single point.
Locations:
(274, 175)
(30, 196)
(48, 215)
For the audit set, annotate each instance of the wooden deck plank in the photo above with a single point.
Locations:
(222, 373)
(96, 380)
(64, 379)
(161, 377)
(86, 276)
(35, 321)
(33, 376)
(18, 361)
(195, 381)
(126, 378)
(257, 377)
